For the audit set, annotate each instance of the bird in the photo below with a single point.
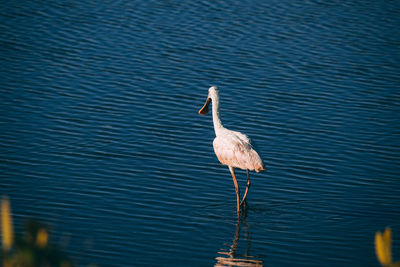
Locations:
(232, 148)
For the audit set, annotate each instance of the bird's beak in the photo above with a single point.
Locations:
(204, 109)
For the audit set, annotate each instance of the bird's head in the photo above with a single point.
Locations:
(212, 94)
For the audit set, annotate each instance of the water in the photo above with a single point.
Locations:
(100, 136)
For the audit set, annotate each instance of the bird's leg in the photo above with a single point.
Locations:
(247, 188)
(236, 189)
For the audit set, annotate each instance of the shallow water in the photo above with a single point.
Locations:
(101, 139)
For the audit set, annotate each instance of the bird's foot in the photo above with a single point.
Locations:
(243, 211)
(244, 205)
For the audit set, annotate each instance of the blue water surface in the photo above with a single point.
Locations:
(100, 136)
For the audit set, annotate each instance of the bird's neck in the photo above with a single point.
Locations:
(216, 119)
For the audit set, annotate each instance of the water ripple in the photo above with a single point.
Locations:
(100, 135)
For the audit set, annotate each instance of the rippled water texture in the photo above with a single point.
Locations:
(100, 136)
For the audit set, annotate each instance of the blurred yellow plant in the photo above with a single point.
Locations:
(42, 238)
(33, 250)
(6, 225)
(383, 248)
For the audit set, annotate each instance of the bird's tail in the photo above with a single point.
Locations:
(260, 168)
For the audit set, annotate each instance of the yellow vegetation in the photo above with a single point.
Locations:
(33, 250)
(383, 248)
(42, 238)
(6, 225)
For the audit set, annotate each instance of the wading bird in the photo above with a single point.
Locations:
(232, 148)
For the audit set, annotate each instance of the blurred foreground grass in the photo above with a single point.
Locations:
(383, 248)
(32, 249)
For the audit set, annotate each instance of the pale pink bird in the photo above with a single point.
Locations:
(232, 148)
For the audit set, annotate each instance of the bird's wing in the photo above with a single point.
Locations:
(242, 138)
(234, 149)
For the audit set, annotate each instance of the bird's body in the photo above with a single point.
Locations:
(232, 148)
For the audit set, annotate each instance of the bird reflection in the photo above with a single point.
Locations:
(231, 257)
